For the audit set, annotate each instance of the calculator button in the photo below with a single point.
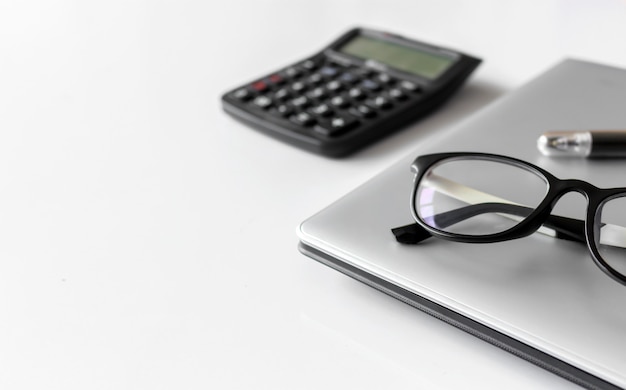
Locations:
(276, 79)
(363, 111)
(317, 93)
(303, 119)
(243, 94)
(309, 65)
(379, 102)
(370, 85)
(298, 86)
(356, 93)
(334, 86)
(315, 79)
(335, 126)
(339, 101)
(262, 101)
(259, 86)
(282, 94)
(363, 72)
(322, 110)
(301, 102)
(284, 110)
(384, 78)
(348, 78)
(292, 72)
(397, 94)
(329, 71)
(410, 86)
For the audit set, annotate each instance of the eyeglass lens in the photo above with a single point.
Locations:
(473, 196)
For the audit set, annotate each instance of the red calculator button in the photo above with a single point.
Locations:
(259, 86)
(276, 79)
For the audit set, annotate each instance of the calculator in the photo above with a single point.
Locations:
(364, 86)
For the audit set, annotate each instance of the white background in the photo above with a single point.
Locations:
(147, 240)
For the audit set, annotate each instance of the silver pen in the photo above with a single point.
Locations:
(591, 143)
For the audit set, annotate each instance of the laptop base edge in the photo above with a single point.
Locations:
(500, 340)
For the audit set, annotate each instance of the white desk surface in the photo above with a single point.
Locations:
(147, 240)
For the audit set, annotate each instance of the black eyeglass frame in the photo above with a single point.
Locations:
(541, 215)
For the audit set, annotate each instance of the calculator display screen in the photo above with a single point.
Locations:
(404, 58)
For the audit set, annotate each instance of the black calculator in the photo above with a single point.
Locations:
(362, 87)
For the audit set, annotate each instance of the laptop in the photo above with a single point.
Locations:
(540, 298)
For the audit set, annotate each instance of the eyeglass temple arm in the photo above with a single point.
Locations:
(564, 228)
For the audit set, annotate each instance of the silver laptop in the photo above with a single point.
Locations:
(538, 297)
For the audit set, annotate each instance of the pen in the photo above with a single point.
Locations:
(591, 143)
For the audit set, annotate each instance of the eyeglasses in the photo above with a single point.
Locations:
(485, 198)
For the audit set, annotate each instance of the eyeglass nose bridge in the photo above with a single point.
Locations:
(564, 187)
(577, 231)
(561, 188)
(592, 225)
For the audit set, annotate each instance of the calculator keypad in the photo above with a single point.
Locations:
(325, 98)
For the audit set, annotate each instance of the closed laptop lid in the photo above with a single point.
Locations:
(544, 293)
